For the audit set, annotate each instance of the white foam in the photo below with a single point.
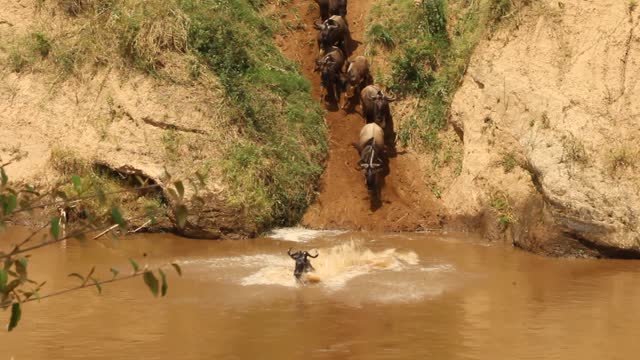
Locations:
(335, 266)
(299, 234)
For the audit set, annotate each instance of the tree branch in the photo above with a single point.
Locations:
(81, 198)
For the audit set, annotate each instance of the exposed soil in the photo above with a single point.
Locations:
(344, 203)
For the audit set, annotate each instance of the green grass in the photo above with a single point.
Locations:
(94, 179)
(273, 167)
(433, 45)
(378, 34)
(621, 158)
(501, 205)
(508, 162)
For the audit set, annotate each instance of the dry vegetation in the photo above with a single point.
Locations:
(270, 140)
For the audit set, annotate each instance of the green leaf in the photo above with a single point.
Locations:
(21, 267)
(115, 272)
(102, 197)
(163, 277)
(78, 276)
(151, 282)
(3, 176)
(97, 284)
(140, 180)
(134, 264)
(3, 280)
(177, 267)
(180, 188)
(11, 204)
(90, 273)
(166, 173)
(116, 216)
(12, 285)
(173, 194)
(77, 183)
(55, 227)
(16, 313)
(181, 215)
(40, 286)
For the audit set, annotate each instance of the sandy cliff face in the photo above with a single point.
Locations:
(555, 92)
(122, 120)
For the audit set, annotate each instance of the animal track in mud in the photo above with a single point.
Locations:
(343, 200)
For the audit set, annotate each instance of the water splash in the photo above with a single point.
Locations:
(335, 266)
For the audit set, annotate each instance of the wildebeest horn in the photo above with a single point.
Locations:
(391, 98)
(332, 26)
(318, 26)
(289, 251)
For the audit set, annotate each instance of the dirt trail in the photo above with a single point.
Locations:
(343, 203)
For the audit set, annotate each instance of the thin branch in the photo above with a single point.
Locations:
(31, 236)
(84, 286)
(81, 198)
(104, 232)
(17, 251)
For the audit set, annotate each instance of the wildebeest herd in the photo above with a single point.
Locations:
(377, 137)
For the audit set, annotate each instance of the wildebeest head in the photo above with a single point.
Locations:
(303, 264)
(327, 68)
(328, 34)
(371, 163)
(381, 105)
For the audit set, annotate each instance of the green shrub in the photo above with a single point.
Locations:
(380, 35)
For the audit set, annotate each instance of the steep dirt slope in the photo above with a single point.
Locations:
(556, 91)
(343, 202)
(121, 120)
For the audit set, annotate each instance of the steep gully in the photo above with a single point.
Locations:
(343, 202)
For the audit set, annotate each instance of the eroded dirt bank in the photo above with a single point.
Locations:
(343, 201)
(554, 94)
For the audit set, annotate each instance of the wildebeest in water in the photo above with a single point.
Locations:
(303, 265)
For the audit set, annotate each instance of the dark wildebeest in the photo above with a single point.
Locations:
(332, 7)
(303, 265)
(356, 79)
(333, 32)
(371, 149)
(375, 107)
(330, 68)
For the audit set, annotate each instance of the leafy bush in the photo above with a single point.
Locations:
(379, 34)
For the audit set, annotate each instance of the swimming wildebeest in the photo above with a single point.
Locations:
(303, 265)
(371, 149)
(330, 68)
(375, 105)
(356, 79)
(333, 32)
(332, 7)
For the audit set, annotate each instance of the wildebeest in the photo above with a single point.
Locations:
(375, 105)
(371, 149)
(330, 68)
(332, 7)
(333, 32)
(303, 265)
(356, 79)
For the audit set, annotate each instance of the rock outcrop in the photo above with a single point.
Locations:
(554, 93)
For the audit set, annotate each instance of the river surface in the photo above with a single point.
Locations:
(379, 296)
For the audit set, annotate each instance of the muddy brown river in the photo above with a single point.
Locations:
(379, 296)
